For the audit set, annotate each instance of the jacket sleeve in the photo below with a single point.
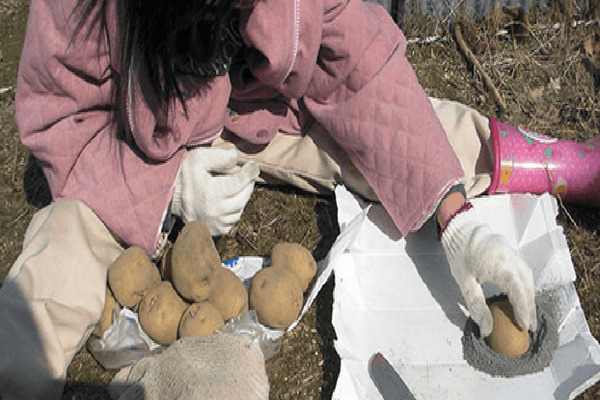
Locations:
(365, 93)
(66, 115)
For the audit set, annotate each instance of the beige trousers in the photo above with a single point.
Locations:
(316, 163)
(54, 293)
(51, 298)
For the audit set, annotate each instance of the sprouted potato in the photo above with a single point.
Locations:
(506, 337)
(297, 259)
(160, 312)
(193, 260)
(276, 296)
(228, 294)
(131, 275)
(200, 319)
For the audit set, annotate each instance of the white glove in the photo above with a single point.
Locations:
(476, 255)
(206, 191)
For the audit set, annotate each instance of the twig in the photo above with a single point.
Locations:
(5, 89)
(14, 221)
(429, 39)
(14, 167)
(471, 57)
(562, 206)
(574, 24)
(556, 26)
(247, 240)
(560, 202)
(305, 236)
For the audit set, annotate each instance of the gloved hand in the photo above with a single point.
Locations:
(206, 191)
(476, 255)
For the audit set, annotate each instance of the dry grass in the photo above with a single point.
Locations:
(540, 71)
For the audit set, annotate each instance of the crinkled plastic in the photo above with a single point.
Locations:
(246, 324)
(123, 343)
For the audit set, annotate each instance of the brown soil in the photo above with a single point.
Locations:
(542, 73)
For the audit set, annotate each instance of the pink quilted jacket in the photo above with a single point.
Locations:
(340, 62)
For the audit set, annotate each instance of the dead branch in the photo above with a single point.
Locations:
(473, 60)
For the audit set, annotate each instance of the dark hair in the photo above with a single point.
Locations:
(170, 39)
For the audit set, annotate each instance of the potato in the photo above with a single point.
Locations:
(131, 275)
(228, 294)
(200, 319)
(506, 337)
(297, 259)
(106, 319)
(160, 312)
(276, 296)
(194, 258)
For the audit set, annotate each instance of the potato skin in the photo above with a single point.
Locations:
(297, 259)
(106, 319)
(200, 319)
(228, 294)
(131, 275)
(160, 312)
(276, 296)
(194, 258)
(506, 337)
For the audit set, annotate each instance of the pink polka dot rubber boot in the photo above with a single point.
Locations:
(527, 162)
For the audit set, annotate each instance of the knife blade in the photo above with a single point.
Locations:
(386, 379)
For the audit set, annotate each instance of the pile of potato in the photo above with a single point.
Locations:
(190, 293)
(277, 293)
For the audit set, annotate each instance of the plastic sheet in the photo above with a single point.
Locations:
(123, 343)
(396, 296)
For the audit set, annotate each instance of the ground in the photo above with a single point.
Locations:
(540, 71)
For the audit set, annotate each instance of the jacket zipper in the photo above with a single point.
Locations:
(207, 140)
(296, 39)
(129, 101)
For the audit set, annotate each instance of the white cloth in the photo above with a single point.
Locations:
(219, 366)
